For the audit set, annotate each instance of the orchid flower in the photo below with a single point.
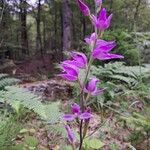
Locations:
(79, 59)
(91, 87)
(70, 72)
(102, 50)
(102, 22)
(91, 39)
(76, 113)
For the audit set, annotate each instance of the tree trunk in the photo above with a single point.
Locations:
(38, 29)
(66, 12)
(55, 25)
(24, 35)
(61, 32)
(44, 33)
(135, 18)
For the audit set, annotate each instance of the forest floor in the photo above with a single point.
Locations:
(114, 133)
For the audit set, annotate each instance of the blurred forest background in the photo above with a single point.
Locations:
(39, 32)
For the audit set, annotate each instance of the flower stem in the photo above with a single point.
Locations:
(81, 137)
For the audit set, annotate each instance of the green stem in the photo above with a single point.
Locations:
(82, 99)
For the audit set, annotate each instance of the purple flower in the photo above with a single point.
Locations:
(91, 39)
(76, 113)
(70, 72)
(98, 2)
(75, 108)
(83, 7)
(85, 116)
(102, 22)
(102, 50)
(79, 59)
(70, 134)
(91, 87)
(69, 117)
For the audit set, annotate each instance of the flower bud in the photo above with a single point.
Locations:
(83, 7)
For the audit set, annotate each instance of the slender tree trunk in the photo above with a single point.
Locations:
(44, 33)
(55, 24)
(61, 22)
(38, 28)
(135, 18)
(73, 29)
(24, 35)
(67, 35)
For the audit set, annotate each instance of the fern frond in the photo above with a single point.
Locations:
(130, 75)
(130, 81)
(6, 80)
(31, 101)
(2, 75)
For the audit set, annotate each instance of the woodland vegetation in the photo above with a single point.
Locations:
(35, 37)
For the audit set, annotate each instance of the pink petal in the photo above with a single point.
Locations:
(79, 58)
(69, 68)
(108, 20)
(68, 117)
(70, 134)
(108, 56)
(85, 116)
(91, 39)
(68, 77)
(75, 109)
(92, 84)
(105, 45)
(83, 7)
(97, 92)
(102, 15)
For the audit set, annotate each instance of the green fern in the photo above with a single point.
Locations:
(6, 80)
(139, 120)
(118, 72)
(9, 128)
(48, 112)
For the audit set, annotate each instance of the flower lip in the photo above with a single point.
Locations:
(68, 117)
(91, 87)
(75, 108)
(85, 116)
